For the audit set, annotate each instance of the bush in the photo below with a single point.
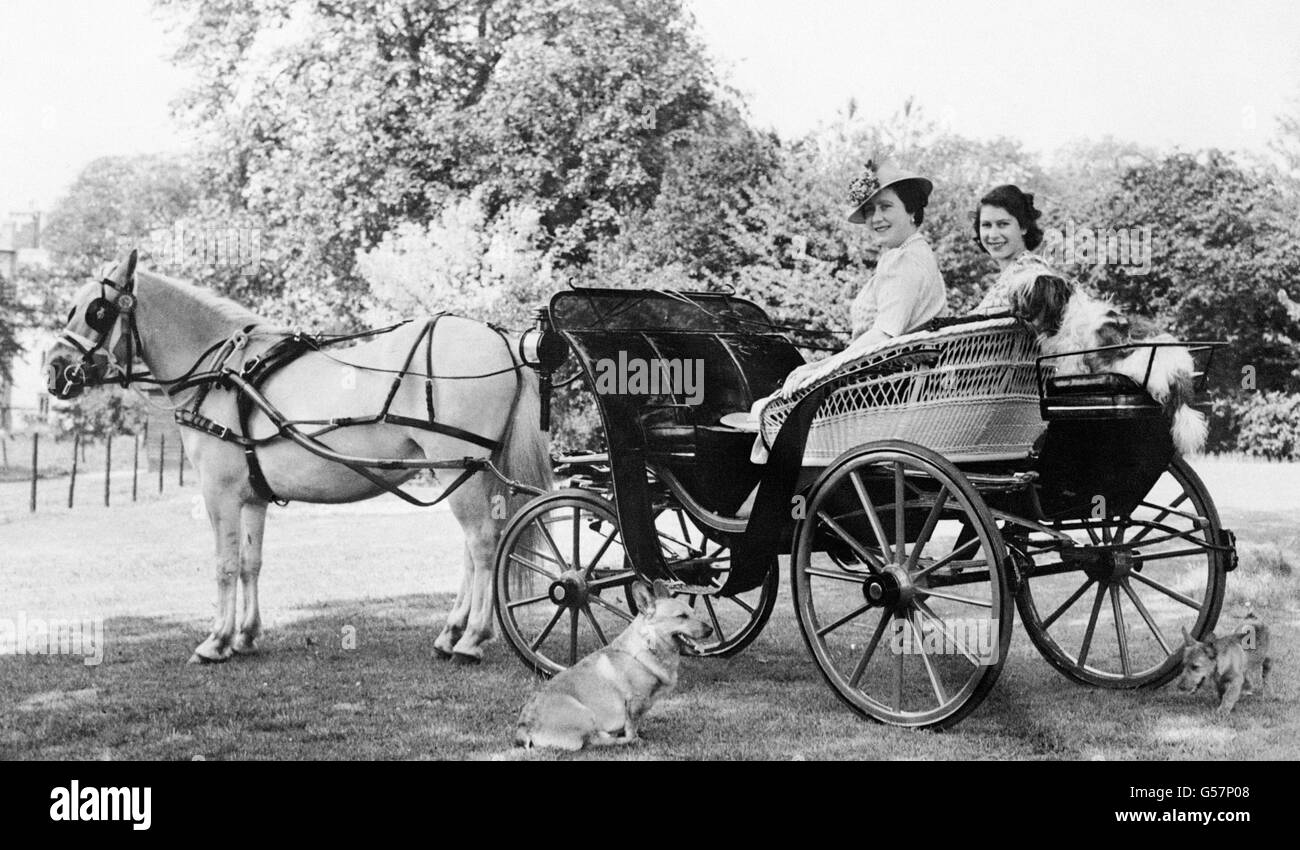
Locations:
(1269, 425)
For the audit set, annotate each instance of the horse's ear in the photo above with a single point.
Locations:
(128, 284)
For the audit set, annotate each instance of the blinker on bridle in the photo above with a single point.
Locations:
(102, 316)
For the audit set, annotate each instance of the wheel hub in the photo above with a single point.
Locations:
(1100, 563)
(569, 591)
(892, 588)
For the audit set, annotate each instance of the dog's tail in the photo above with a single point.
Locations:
(1167, 372)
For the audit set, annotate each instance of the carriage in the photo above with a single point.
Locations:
(945, 479)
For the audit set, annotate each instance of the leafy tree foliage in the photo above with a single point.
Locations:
(332, 123)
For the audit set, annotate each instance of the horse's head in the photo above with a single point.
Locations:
(95, 345)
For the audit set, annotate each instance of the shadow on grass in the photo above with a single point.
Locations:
(352, 680)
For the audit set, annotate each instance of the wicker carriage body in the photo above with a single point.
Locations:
(970, 393)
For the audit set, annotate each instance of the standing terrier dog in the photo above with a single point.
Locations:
(1237, 664)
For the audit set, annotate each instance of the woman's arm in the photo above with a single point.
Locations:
(898, 288)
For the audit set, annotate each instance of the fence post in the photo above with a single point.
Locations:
(72, 482)
(4, 448)
(180, 467)
(36, 441)
(108, 466)
(162, 453)
(135, 466)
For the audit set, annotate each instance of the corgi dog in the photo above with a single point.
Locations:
(1237, 664)
(600, 700)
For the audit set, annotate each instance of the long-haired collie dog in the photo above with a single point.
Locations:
(1068, 319)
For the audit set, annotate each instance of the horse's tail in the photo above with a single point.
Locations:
(524, 456)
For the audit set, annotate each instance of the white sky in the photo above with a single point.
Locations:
(87, 78)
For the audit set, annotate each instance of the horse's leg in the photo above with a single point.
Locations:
(445, 643)
(224, 513)
(253, 518)
(472, 507)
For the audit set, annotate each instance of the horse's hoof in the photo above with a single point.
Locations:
(203, 659)
(465, 660)
(442, 654)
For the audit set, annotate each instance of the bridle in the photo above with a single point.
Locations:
(104, 316)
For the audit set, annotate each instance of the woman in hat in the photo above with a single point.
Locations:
(906, 290)
(1006, 228)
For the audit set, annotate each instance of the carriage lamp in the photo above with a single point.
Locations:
(544, 350)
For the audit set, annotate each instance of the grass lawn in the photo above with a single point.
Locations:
(384, 572)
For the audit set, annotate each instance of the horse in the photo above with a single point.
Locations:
(479, 388)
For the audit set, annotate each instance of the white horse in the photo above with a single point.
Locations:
(175, 328)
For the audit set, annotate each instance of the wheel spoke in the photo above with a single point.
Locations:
(925, 611)
(614, 580)
(871, 648)
(559, 612)
(1092, 625)
(742, 603)
(577, 532)
(825, 630)
(1172, 594)
(965, 600)
(931, 520)
(1146, 615)
(1074, 597)
(946, 559)
(586, 609)
(611, 608)
(519, 603)
(1177, 553)
(935, 681)
(1164, 512)
(898, 679)
(543, 556)
(858, 549)
(900, 536)
(534, 567)
(600, 553)
(872, 516)
(1121, 632)
(550, 542)
(573, 636)
(849, 577)
(713, 618)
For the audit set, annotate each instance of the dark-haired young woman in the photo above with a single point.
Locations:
(1006, 228)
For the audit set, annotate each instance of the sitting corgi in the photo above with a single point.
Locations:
(601, 699)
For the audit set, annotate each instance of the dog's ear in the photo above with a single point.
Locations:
(1187, 637)
(1043, 304)
(661, 589)
(644, 597)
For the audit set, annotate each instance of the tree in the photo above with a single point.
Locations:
(332, 123)
(1223, 244)
(116, 203)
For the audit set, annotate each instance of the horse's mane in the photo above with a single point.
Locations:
(224, 307)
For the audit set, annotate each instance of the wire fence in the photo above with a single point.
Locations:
(41, 473)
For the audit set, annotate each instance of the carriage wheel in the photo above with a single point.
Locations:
(561, 573)
(908, 619)
(696, 559)
(1112, 612)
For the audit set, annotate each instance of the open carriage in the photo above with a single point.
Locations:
(944, 479)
